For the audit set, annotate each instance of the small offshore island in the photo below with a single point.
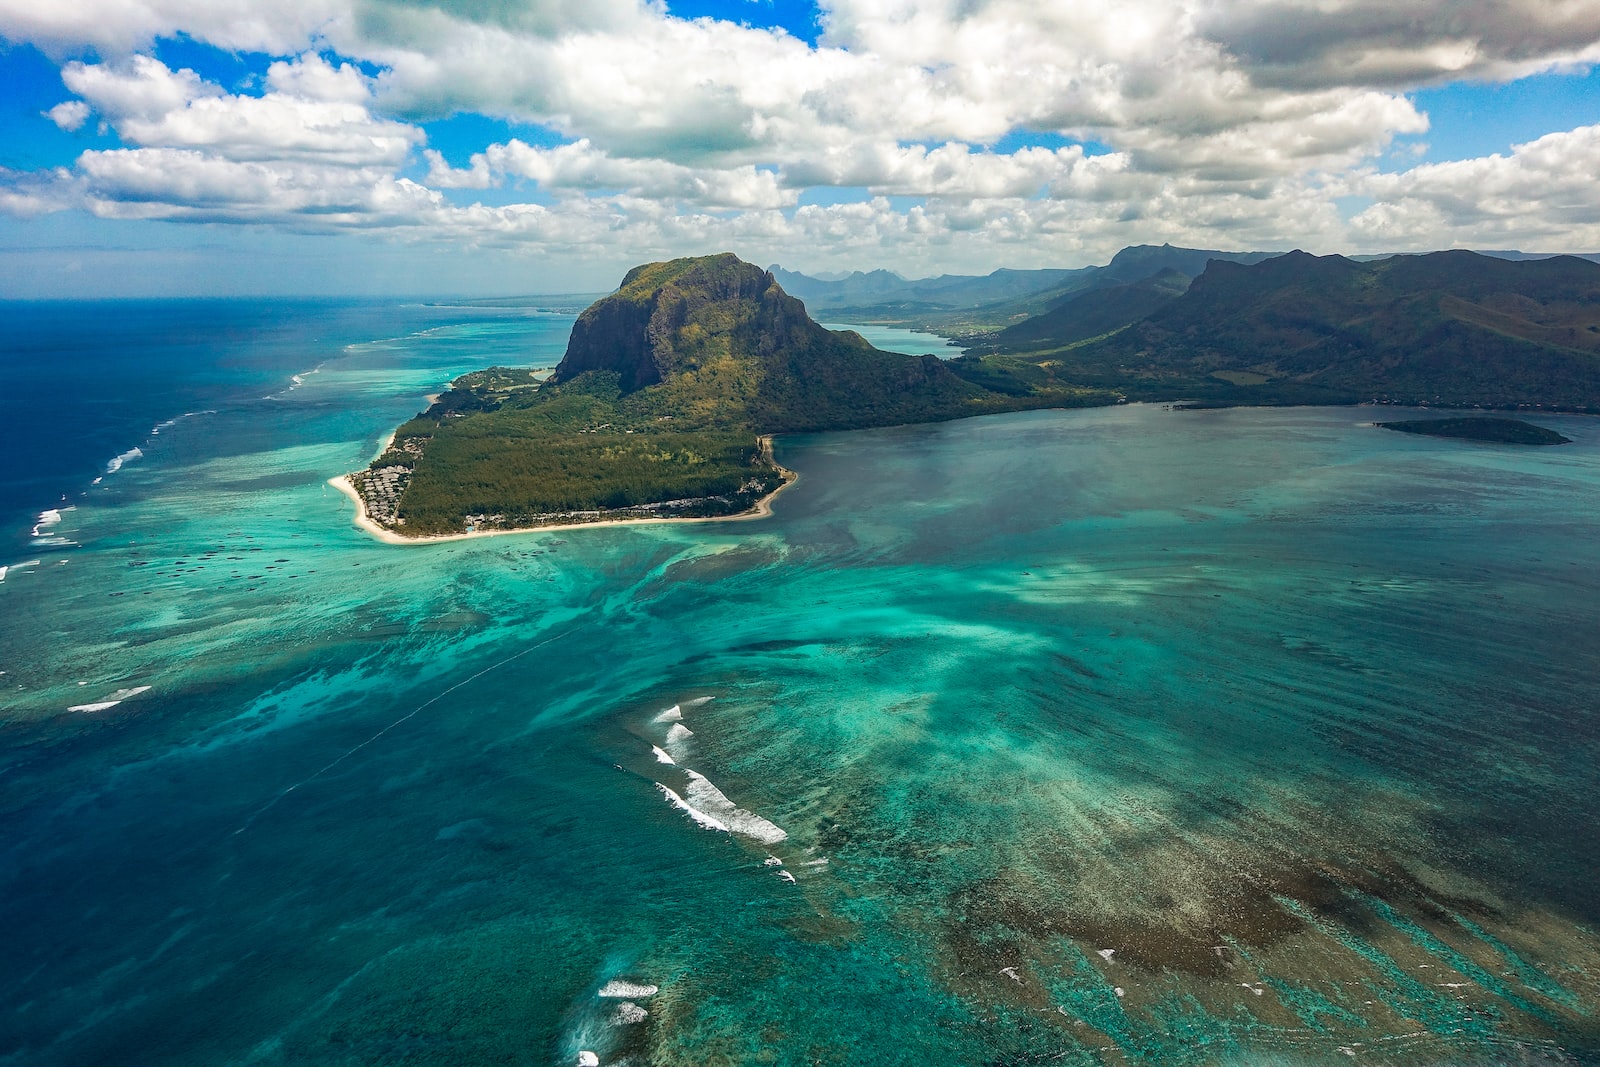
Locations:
(670, 389)
(1489, 430)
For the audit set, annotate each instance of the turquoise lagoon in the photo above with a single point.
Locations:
(1114, 736)
(896, 339)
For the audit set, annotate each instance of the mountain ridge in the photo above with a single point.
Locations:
(1452, 327)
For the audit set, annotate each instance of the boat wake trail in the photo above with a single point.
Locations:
(407, 717)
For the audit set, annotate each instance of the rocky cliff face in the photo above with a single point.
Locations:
(670, 317)
(720, 331)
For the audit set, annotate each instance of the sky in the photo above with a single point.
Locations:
(485, 147)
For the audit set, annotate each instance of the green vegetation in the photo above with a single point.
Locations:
(658, 408)
(1450, 328)
(572, 455)
(971, 310)
(1497, 431)
(1094, 313)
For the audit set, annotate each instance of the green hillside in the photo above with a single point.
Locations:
(1094, 313)
(971, 309)
(1453, 328)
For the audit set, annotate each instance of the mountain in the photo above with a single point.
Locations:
(881, 288)
(660, 405)
(1453, 328)
(719, 329)
(971, 307)
(1137, 262)
(856, 287)
(1094, 312)
(1512, 254)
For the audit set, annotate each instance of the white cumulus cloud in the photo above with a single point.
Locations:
(69, 114)
(1539, 195)
(1240, 123)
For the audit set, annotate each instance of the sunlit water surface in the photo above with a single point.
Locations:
(895, 339)
(1113, 736)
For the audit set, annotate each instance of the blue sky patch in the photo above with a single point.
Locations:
(459, 136)
(798, 18)
(1472, 119)
(30, 84)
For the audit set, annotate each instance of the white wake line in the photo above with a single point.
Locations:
(400, 721)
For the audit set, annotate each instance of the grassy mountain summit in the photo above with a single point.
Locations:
(660, 406)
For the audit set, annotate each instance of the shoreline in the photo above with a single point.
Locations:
(761, 510)
(388, 442)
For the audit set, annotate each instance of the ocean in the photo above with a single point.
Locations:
(1125, 735)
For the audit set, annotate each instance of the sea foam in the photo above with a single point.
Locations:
(111, 701)
(709, 822)
(620, 990)
(710, 800)
(17, 567)
(155, 431)
(42, 537)
(660, 753)
(672, 714)
(127, 457)
(295, 382)
(46, 520)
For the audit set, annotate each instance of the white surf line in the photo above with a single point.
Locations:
(622, 989)
(17, 567)
(708, 798)
(120, 461)
(710, 822)
(111, 701)
(710, 808)
(400, 721)
(47, 518)
(155, 431)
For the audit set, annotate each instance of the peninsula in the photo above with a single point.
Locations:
(663, 407)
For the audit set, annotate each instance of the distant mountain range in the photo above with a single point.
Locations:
(971, 306)
(966, 306)
(860, 289)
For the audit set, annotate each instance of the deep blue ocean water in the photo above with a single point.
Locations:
(1115, 736)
